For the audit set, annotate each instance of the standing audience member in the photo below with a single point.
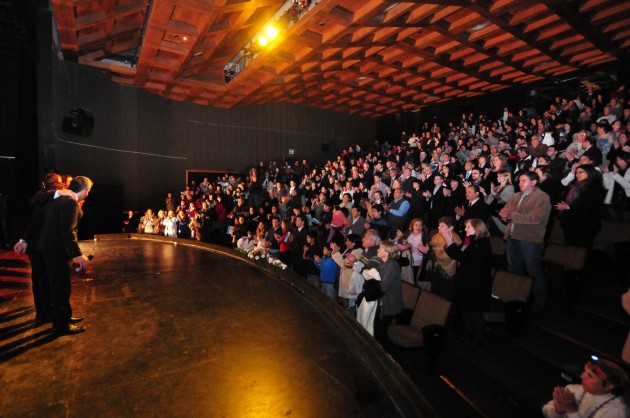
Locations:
(442, 267)
(390, 304)
(473, 281)
(397, 212)
(580, 209)
(170, 225)
(346, 291)
(130, 223)
(526, 214)
(476, 208)
(285, 238)
(499, 195)
(328, 270)
(416, 243)
(617, 184)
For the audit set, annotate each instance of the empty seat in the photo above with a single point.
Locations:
(410, 294)
(563, 266)
(507, 288)
(497, 245)
(430, 310)
(571, 258)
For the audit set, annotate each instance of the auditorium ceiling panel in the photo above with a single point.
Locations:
(367, 57)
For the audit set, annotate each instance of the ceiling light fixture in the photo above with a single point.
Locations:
(284, 18)
(480, 26)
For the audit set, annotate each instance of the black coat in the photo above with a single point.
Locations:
(59, 234)
(472, 284)
(479, 210)
(582, 221)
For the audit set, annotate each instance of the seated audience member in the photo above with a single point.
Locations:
(600, 394)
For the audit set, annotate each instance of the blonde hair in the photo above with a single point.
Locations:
(505, 173)
(481, 230)
(391, 249)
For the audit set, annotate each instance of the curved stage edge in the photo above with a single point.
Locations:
(403, 393)
(183, 328)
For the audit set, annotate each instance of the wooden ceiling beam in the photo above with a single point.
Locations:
(570, 13)
(509, 61)
(482, 7)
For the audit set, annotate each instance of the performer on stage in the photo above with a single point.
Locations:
(59, 245)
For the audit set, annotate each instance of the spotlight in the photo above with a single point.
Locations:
(271, 32)
(262, 41)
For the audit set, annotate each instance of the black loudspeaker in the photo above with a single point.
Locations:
(325, 147)
(80, 122)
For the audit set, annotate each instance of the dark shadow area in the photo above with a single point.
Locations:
(14, 263)
(16, 313)
(4, 284)
(17, 329)
(13, 273)
(23, 345)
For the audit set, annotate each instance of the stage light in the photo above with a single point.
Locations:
(262, 41)
(271, 32)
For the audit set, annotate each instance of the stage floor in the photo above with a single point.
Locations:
(173, 330)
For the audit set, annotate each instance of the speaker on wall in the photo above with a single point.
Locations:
(80, 122)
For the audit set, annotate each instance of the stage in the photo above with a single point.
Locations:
(175, 328)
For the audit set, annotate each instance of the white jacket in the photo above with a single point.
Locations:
(611, 178)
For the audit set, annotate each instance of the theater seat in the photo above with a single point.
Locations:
(511, 292)
(431, 310)
(563, 266)
(410, 294)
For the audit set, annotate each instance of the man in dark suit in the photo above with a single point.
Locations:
(28, 244)
(437, 203)
(59, 245)
(477, 209)
(297, 245)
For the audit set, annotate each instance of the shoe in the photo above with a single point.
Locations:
(69, 330)
(75, 319)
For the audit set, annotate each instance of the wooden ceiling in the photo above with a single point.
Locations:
(367, 57)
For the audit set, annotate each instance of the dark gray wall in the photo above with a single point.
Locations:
(145, 143)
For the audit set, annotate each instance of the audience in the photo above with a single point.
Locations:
(512, 175)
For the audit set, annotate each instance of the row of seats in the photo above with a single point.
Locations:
(430, 309)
